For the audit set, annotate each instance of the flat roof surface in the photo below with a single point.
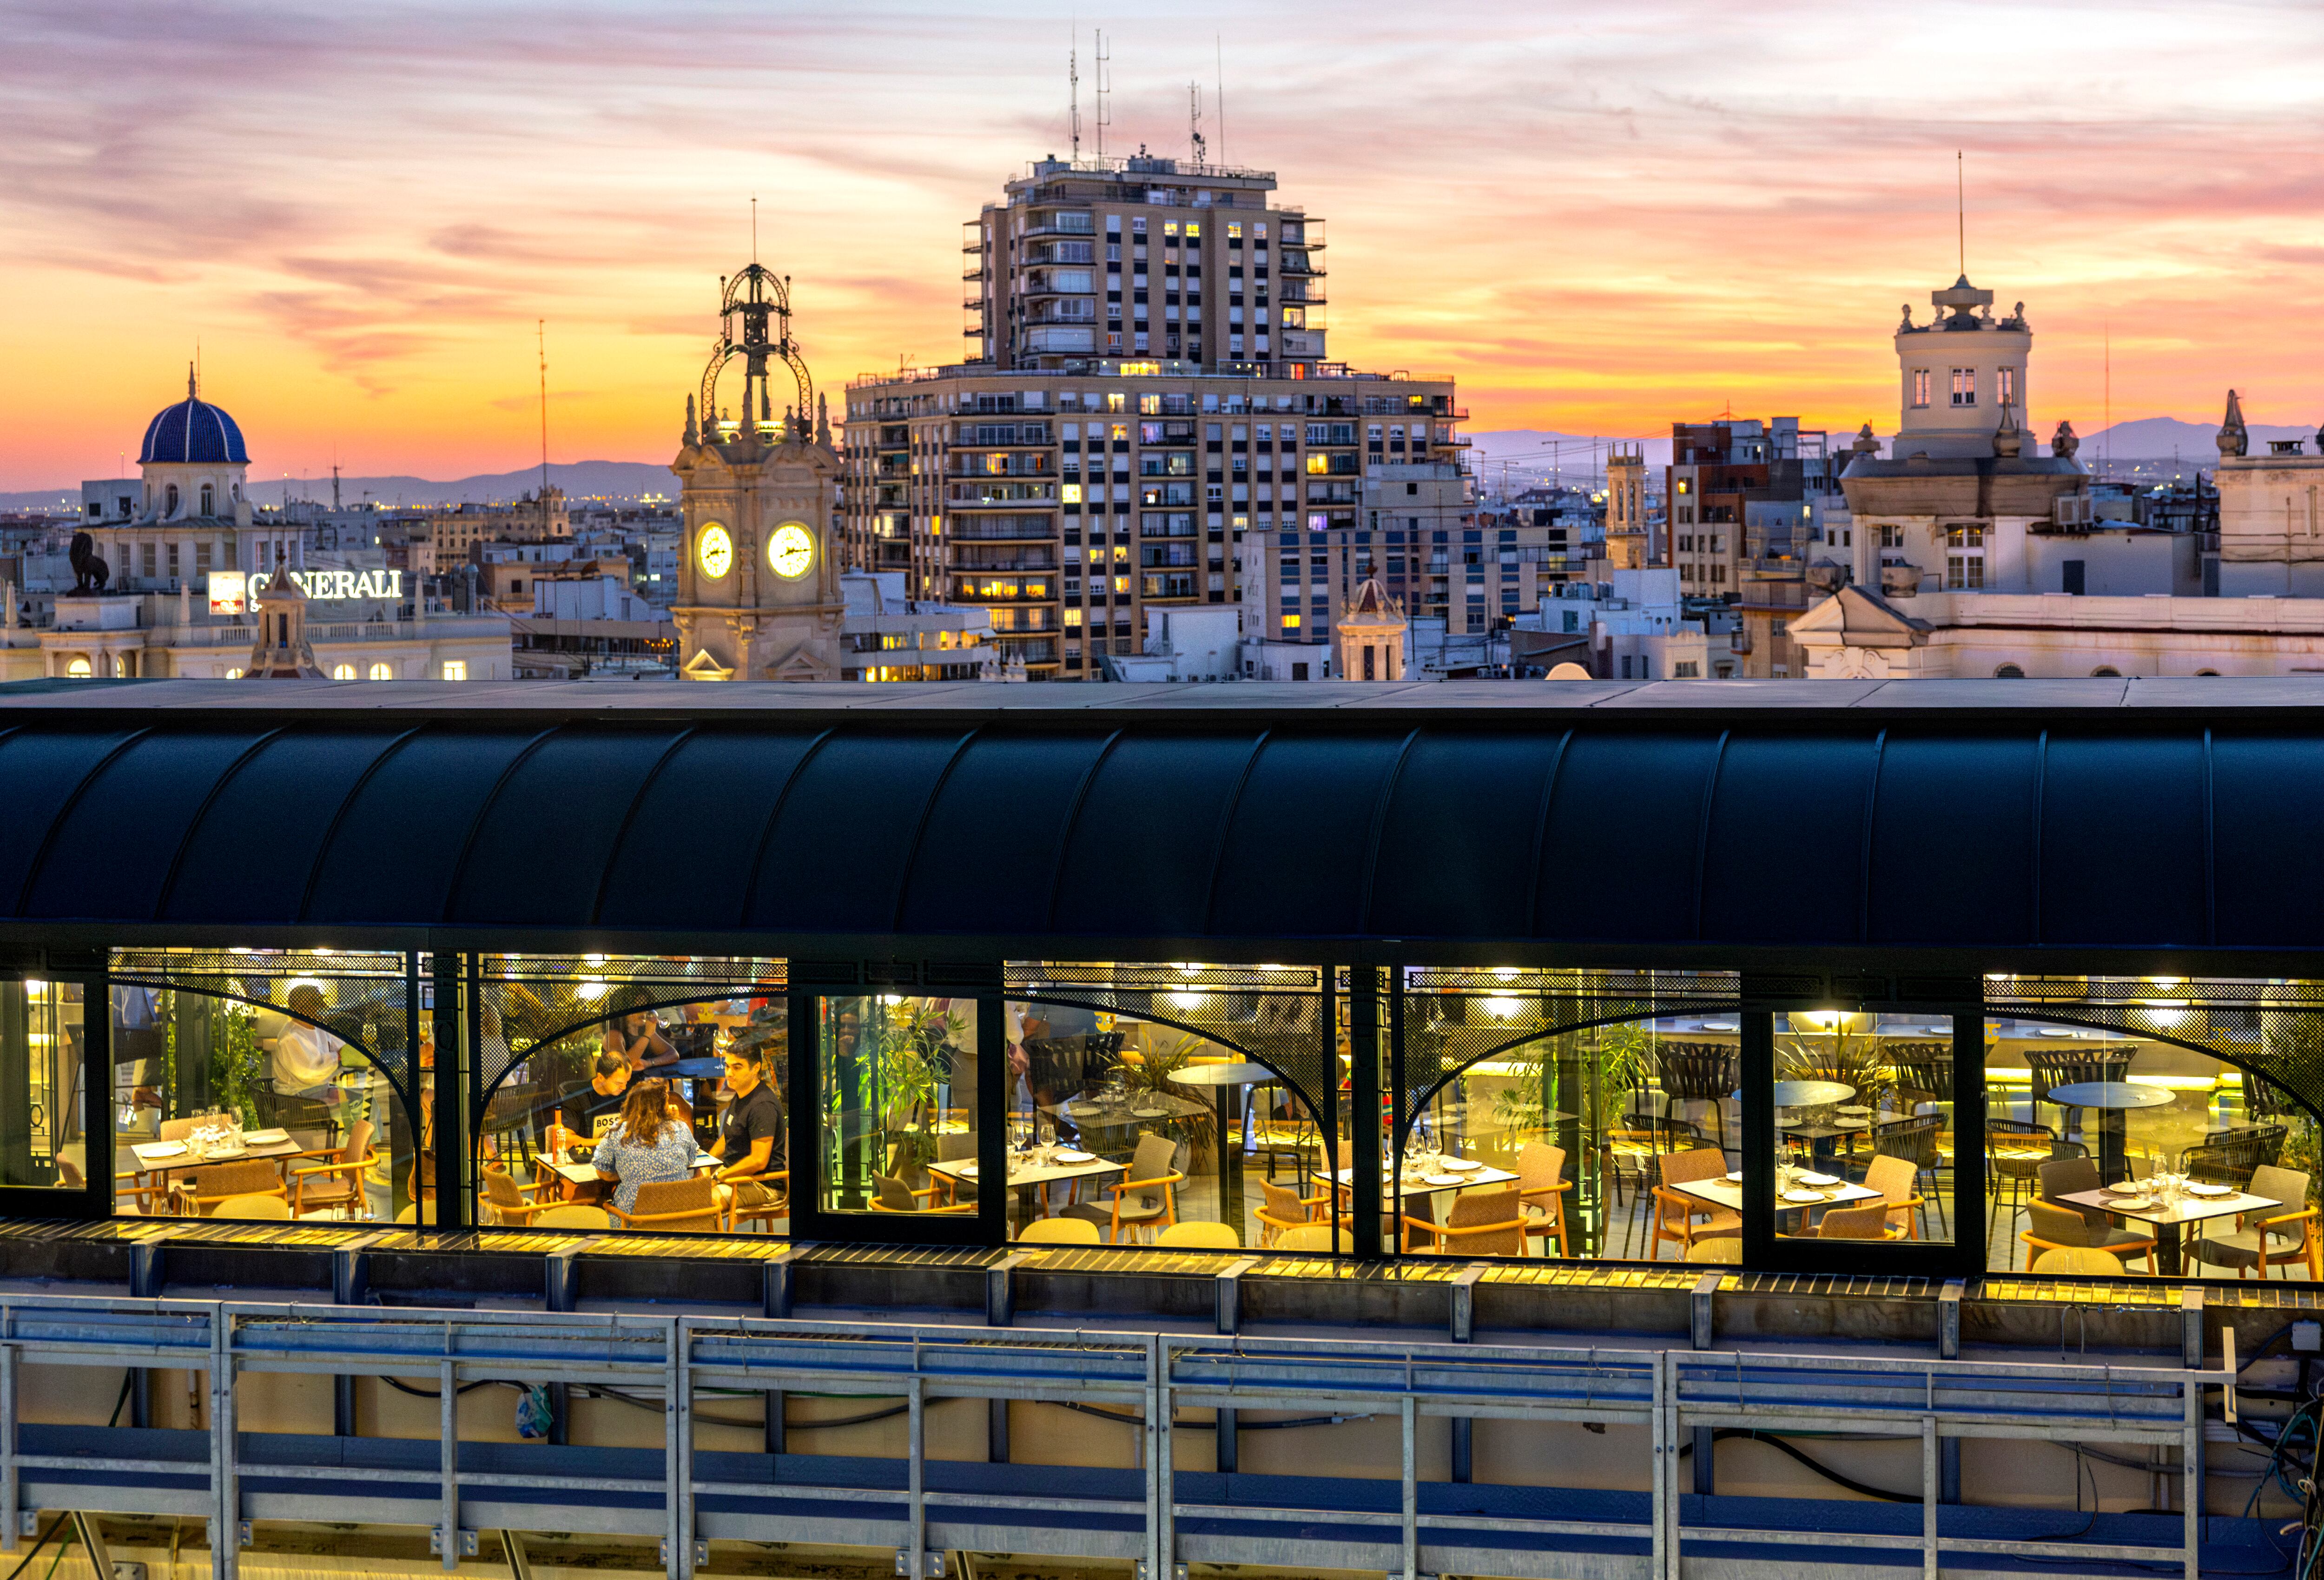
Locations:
(661, 696)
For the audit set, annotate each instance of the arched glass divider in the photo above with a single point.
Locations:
(1533, 1108)
(2155, 1125)
(265, 1084)
(562, 1042)
(1183, 1104)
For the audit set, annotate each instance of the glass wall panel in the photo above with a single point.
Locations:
(42, 1085)
(899, 1079)
(2125, 1152)
(1555, 1113)
(1186, 1105)
(633, 1092)
(1863, 1144)
(261, 1084)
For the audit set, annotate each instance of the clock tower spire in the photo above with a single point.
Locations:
(757, 585)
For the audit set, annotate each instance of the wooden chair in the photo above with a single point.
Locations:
(1305, 1237)
(2268, 1239)
(222, 1182)
(1895, 1180)
(1864, 1223)
(1541, 1186)
(1480, 1222)
(338, 1183)
(1285, 1209)
(891, 1195)
(953, 1149)
(2063, 1177)
(1724, 1251)
(1684, 1218)
(2080, 1261)
(1147, 1197)
(777, 1184)
(2057, 1228)
(674, 1204)
(1189, 1235)
(509, 1200)
(251, 1207)
(1914, 1140)
(572, 1215)
(1059, 1232)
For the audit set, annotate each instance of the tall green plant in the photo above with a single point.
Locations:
(236, 1062)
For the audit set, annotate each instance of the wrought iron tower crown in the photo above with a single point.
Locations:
(761, 299)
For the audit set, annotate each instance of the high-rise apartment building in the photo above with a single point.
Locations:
(1146, 396)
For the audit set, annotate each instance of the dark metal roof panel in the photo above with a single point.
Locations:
(251, 854)
(1293, 860)
(112, 849)
(2122, 840)
(41, 772)
(1784, 856)
(1952, 840)
(392, 858)
(704, 812)
(2268, 865)
(1467, 804)
(540, 854)
(1154, 815)
(995, 836)
(836, 855)
(1627, 821)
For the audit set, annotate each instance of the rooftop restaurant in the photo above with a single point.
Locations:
(1529, 1131)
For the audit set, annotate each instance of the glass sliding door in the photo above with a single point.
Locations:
(43, 1085)
(897, 1133)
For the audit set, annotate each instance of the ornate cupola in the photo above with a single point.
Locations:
(280, 652)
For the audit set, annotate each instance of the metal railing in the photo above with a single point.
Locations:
(1154, 1514)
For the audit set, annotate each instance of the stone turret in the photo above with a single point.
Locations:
(2234, 439)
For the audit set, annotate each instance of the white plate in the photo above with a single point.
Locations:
(1853, 1112)
(1444, 1179)
(1786, 1123)
(225, 1154)
(966, 1170)
(1817, 1179)
(2134, 1203)
(1462, 1165)
(2211, 1190)
(1149, 1112)
(1073, 1157)
(2124, 1190)
(1736, 1175)
(1803, 1196)
(163, 1148)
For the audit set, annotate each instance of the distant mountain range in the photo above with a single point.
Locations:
(624, 480)
(1530, 452)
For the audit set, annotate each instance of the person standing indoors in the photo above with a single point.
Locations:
(749, 1132)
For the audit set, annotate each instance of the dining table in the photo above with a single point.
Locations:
(1726, 1191)
(1028, 1172)
(163, 1159)
(2112, 1097)
(2169, 1219)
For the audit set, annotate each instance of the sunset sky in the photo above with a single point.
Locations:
(1600, 217)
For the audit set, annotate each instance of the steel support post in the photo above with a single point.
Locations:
(10, 1491)
(2191, 1451)
(447, 1445)
(225, 1490)
(1929, 1490)
(918, 1557)
(677, 1414)
(1408, 1414)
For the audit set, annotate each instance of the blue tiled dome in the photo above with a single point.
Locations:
(193, 431)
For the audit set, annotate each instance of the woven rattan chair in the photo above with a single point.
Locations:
(1687, 1218)
(674, 1204)
(2274, 1237)
(1542, 1188)
(1865, 1222)
(1480, 1222)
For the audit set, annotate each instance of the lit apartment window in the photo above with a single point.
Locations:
(383, 671)
(1964, 386)
(456, 669)
(1920, 386)
(343, 671)
(1965, 560)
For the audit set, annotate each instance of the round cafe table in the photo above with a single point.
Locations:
(2110, 1095)
(1229, 1080)
(1810, 1093)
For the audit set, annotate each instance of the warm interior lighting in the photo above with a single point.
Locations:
(590, 990)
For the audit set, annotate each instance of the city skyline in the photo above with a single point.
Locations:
(360, 218)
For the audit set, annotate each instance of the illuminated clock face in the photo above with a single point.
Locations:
(714, 551)
(791, 550)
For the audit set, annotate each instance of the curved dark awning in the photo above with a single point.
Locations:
(1081, 829)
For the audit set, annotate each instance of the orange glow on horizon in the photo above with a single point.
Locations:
(1598, 224)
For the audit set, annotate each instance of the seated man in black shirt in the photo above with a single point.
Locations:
(609, 1079)
(749, 1133)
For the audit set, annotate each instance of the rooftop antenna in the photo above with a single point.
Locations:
(1194, 122)
(2106, 328)
(540, 340)
(1073, 90)
(334, 484)
(1961, 214)
(1104, 94)
(755, 227)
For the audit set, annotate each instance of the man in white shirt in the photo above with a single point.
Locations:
(306, 1057)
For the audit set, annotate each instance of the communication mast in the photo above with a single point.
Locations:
(1194, 122)
(1074, 88)
(1104, 94)
(541, 342)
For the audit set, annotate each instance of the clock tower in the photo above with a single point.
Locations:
(757, 585)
